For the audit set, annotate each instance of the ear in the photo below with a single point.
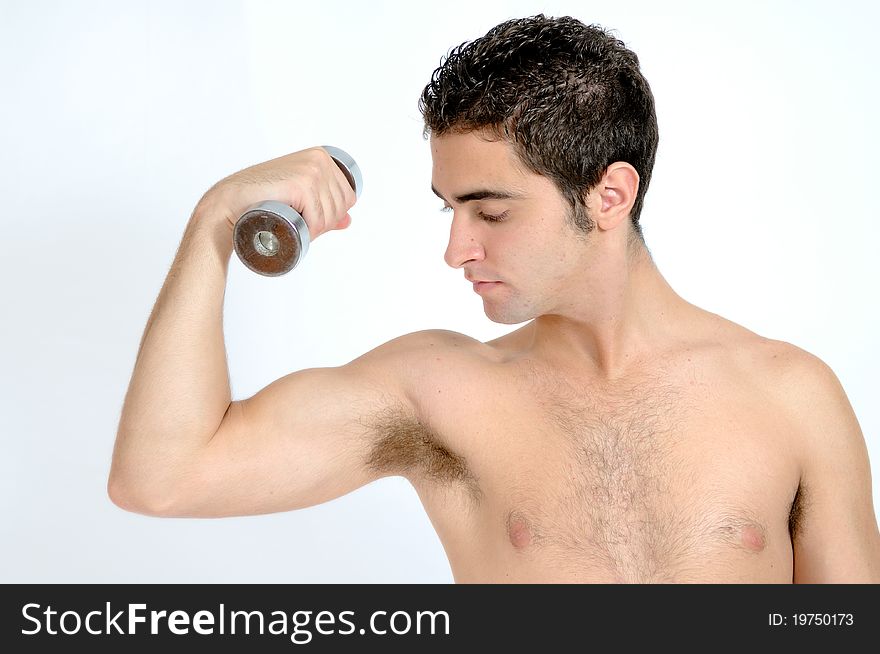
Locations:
(612, 199)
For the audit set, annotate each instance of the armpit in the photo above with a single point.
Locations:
(404, 445)
(797, 512)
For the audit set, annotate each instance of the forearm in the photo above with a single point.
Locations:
(179, 390)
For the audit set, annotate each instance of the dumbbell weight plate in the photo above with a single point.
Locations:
(271, 238)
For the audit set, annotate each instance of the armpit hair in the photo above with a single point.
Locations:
(797, 512)
(404, 445)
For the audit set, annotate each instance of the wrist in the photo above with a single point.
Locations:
(214, 208)
(211, 219)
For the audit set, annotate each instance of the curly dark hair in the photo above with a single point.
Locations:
(569, 97)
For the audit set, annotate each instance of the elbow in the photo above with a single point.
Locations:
(133, 501)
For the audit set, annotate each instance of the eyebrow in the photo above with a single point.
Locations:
(481, 194)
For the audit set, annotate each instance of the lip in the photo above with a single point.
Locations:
(482, 286)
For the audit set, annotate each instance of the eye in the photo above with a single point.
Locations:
(485, 216)
(494, 219)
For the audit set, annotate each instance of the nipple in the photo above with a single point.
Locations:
(753, 538)
(518, 530)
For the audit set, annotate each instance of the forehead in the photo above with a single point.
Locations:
(469, 164)
(470, 157)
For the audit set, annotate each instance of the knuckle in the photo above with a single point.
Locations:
(320, 156)
(314, 169)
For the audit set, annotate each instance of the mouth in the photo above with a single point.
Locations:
(484, 286)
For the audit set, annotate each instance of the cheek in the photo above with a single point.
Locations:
(533, 254)
(556, 266)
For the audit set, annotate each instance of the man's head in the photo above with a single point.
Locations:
(568, 97)
(558, 114)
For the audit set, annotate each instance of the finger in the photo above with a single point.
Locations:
(349, 197)
(330, 210)
(338, 200)
(314, 212)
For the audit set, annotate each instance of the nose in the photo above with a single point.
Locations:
(464, 244)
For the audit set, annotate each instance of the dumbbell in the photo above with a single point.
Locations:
(271, 238)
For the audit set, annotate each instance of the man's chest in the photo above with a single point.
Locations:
(678, 475)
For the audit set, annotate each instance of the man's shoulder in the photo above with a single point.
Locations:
(413, 357)
(767, 358)
(833, 508)
(810, 385)
(801, 394)
(792, 369)
(420, 343)
(786, 375)
(795, 382)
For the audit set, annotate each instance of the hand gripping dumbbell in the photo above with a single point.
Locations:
(271, 238)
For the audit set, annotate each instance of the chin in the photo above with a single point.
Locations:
(506, 315)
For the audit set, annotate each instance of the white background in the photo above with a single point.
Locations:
(116, 117)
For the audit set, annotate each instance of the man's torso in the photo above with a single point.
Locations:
(685, 471)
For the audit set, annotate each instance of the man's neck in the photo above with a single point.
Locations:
(619, 321)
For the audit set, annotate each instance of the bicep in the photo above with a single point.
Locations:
(836, 539)
(302, 440)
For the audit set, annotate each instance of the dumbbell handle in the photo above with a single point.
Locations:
(271, 238)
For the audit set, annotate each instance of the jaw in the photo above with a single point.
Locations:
(506, 307)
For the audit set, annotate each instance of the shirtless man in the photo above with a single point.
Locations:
(621, 435)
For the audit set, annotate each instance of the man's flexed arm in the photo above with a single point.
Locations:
(179, 390)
